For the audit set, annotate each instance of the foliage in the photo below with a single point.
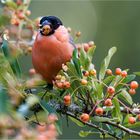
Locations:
(101, 100)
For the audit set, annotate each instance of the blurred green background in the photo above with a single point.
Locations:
(107, 23)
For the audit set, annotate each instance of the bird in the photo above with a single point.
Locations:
(53, 46)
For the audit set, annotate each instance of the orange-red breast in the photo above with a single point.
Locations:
(52, 48)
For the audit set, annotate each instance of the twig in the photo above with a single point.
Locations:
(117, 83)
(94, 107)
(90, 98)
(116, 94)
(127, 108)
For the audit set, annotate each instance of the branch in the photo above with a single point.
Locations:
(127, 130)
(94, 126)
(102, 130)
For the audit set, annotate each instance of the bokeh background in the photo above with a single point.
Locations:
(107, 23)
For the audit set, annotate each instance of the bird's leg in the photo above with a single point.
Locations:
(48, 88)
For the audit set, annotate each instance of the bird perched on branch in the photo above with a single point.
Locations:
(52, 48)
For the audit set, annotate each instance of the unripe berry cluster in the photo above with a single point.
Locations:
(87, 74)
(48, 131)
(86, 46)
(19, 15)
(133, 85)
(118, 71)
(61, 82)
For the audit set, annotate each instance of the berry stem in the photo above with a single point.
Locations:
(126, 107)
(94, 107)
(117, 83)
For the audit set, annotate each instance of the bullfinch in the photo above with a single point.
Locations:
(53, 47)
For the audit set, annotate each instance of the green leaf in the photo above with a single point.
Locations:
(101, 119)
(90, 52)
(41, 115)
(119, 133)
(47, 107)
(136, 125)
(5, 69)
(99, 90)
(116, 110)
(124, 95)
(106, 62)
(11, 4)
(4, 20)
(137, 73)
(130, 137)
(115, 80)
(82, 57)
(13, 61)
(3, 100)
(126, 80)
(129, 78)
(110, 128)
(77, 122)
(86, 57)
(58, 125)
(108, 108)
(9, 79)
(76, 62)
(118, 78)
(71, 69)
(108, 79)
(84, 133)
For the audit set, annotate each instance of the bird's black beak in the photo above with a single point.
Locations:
(45, 28)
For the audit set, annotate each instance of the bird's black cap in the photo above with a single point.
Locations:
(55, 21)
